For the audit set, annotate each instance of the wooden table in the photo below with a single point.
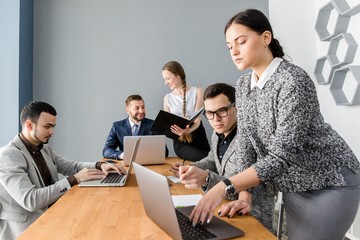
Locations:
(116, 213)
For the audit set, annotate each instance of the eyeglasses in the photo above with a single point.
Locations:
(221, 113)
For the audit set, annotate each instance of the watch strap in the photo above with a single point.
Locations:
(206, 183)
(227, 182)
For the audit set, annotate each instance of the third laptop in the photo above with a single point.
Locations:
(114, 179)
(151, 150)
(159, 207)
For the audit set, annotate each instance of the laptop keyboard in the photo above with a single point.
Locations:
(189, 232)
(113, 178)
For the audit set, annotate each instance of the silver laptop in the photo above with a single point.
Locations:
(151, 150)
(157, 200)
(114, 179)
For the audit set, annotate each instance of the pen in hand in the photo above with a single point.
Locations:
(175, 168)
(182, 164)
(183, 169)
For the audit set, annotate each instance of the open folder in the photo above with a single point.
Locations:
(164, 120)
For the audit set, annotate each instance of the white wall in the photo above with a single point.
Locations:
(9, 69)
(89, 55)
(293, 24)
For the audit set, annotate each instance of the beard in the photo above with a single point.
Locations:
(37, 138)
(137, 118)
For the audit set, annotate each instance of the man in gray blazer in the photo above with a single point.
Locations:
(219, 104)
(221, 162)
(29, 168)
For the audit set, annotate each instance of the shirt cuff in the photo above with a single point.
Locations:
(72, 180)
(98, 165)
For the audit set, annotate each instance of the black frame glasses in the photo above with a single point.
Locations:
(221, 112)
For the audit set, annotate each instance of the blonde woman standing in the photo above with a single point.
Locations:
(183, 100)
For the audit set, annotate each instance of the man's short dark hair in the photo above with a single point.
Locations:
(33, 109)
(134, 97)
(220, 88)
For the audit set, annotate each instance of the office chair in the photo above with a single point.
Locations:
(280, 204)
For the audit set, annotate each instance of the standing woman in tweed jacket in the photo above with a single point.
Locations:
(283, 136)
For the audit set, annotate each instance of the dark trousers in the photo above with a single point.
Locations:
(197, 149)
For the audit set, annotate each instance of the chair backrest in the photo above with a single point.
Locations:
(281, 224)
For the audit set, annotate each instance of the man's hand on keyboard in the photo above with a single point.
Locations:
(118, 167)
(88, 174)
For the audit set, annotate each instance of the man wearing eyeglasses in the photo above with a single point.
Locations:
(219, 109)
(221, 162)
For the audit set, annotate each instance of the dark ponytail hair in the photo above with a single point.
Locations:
(258, 22)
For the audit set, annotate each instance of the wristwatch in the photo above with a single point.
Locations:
(229, 189)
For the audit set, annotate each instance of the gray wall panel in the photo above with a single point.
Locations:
(89, 55)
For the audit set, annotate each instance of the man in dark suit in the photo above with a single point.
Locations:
(135, 124)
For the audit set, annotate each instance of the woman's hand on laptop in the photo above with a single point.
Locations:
(118, 167)
(203, 212)
(240, 207)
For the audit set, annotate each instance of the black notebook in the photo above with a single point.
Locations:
(164, 120)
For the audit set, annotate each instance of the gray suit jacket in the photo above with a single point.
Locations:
(217, 170)
(23, 195)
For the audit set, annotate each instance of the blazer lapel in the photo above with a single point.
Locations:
(128, 127)
(229, 152)
(214, 145)
(29, 158)
(51, 166)
(142, 127)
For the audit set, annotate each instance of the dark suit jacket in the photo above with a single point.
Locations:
(114, 144)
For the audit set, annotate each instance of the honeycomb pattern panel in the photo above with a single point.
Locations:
(349, 53)
(334, 68)
(344, 8)
(349, 76)
(322, 22)
(323, 70)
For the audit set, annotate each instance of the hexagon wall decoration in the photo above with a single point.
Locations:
(334, 67)
(322, 76)
(322, 23)
(343, 7)
(350, 51)
(349, 73)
